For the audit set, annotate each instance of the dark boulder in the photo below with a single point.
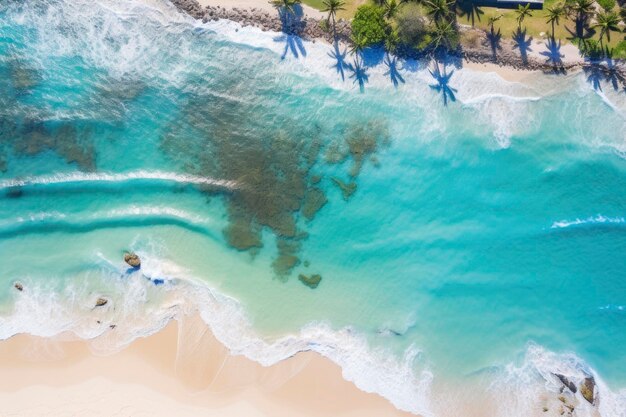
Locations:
(587, 389)
(567, 383)
(132, 259)
(18, 286)
(101, 302)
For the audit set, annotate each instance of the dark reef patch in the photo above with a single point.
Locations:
(274, 159)
(310, 281)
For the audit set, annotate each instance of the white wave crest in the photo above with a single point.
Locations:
(533, 388)
(599, 219)
(82, 177)
(138, 308)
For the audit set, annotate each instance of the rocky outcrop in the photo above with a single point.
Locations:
(191, 7)
(303, 26)
(132, 259)
(101, 302)
(587, 389)
(567, 383)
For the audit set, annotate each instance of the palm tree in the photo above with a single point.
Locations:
(522, 12)
(332, 7)
(607, 22)
(581, 8)
(286, 5)
(444, 35)
(492, 20)
(553, 14)
(358, 44)
(391, 8)
(438, 9)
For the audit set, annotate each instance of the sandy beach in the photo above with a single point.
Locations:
(257, 4)
(180, 371)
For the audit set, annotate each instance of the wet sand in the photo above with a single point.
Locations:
(182, 370)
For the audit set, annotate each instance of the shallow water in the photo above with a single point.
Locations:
(473, 238)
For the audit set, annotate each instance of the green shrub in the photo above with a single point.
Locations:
(369, 24)
(411, 25)
(620, 50)
(590, 48)
(607, 5)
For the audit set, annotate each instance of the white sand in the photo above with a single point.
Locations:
(166, 375)
(258, 4)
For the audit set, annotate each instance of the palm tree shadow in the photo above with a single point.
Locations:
(393, 72)
(582, 31)
(595, 74)
(359, 72)
(340, 58)
(292, 26)
(442, 86)
(469, 8)
(612, 74)
(521, 42)
(553, 54)
(495, 39)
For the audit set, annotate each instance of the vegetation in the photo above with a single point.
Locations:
(522, 13)
(554, 14)
(607, 22)
(288, 6)
(369, 26)
(431, 28)
(332, 7)
(607, 5)
(412, 24)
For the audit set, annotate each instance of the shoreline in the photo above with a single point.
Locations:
(181, 369)
(260, 14)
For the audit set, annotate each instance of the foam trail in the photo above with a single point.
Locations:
(84, 177)
(124, 217)
(520, 389)
(599, 219)
(44, 312)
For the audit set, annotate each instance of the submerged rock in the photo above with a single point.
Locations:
(101, 302)
(312, 282)
(347, 189)
(567, 383)
(132, 259)
(18, 286)
(587, 388)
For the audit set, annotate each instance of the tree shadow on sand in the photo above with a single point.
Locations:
(582, 30)
(523, 43)
(292, 27)
(442, 83)
(391, 62)
(495, 40)
(605, 71)
(553, 54)
(340, 60)
(359, 72)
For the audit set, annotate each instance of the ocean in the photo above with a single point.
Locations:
(448, 239)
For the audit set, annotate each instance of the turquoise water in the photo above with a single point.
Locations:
(485, 237)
